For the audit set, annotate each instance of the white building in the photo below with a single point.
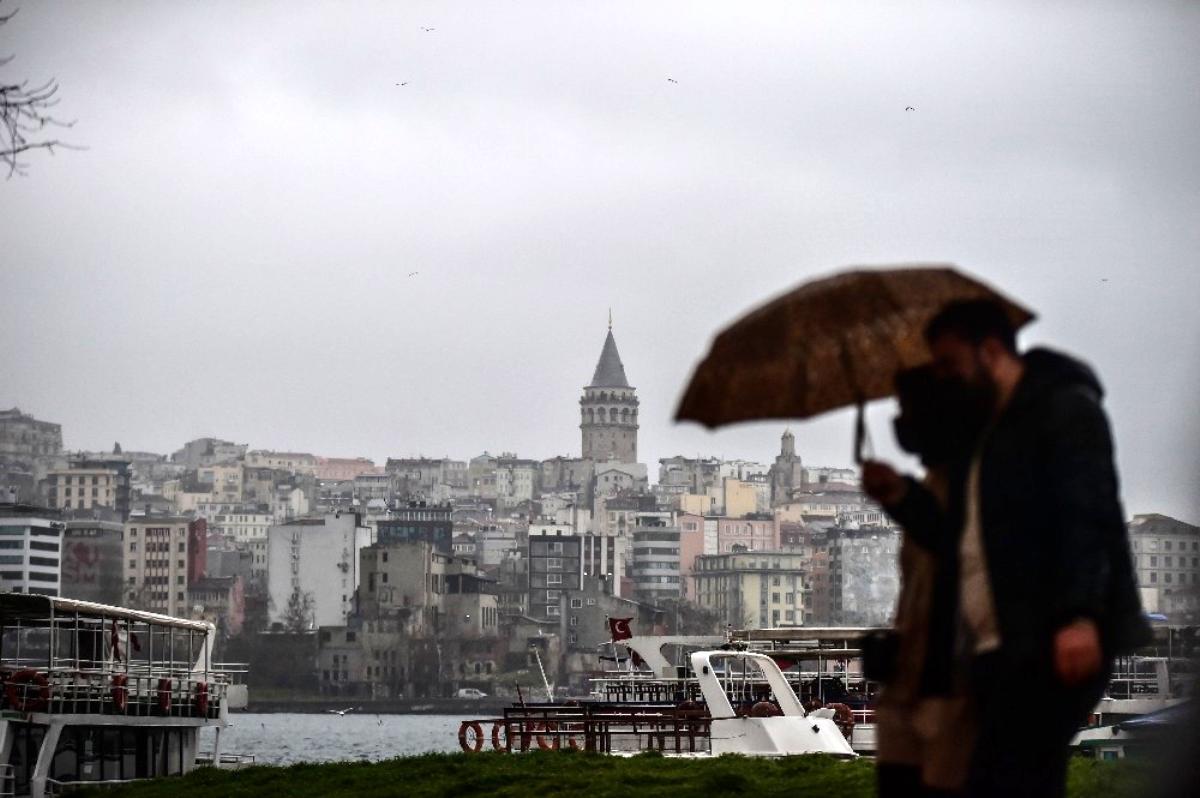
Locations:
(30, 539)
(315, 559)
(241, 525)
(1166, 558)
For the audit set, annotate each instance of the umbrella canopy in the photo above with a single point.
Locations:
(827, 344)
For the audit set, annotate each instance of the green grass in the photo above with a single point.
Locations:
(563, 773)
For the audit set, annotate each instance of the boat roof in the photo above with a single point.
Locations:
(31, 605)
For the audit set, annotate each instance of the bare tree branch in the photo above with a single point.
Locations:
(24, 115)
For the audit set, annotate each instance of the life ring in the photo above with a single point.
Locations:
(202, 699)
(470, 746)
(500, 728)
(765, 709)
(120, 692)
(16, 690)
(164, 695)
(554, 744)
(843, 717)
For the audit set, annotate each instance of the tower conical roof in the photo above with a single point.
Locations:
(609, 371)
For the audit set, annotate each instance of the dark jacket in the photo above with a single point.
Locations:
(1052, 523)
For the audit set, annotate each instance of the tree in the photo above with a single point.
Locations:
(25, 116)
(298, 614)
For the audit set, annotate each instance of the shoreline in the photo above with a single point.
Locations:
(476, 708)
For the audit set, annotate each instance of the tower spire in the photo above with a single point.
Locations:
(610, 319)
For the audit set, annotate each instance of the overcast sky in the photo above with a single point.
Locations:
(231, 255)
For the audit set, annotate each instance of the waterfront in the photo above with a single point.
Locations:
(289, 738)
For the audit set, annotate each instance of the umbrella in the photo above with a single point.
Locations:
(827, 344)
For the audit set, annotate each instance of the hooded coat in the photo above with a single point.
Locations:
(1052, 525)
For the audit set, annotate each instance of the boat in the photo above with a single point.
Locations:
(725, 701)
(93, 695)
(1141, 687)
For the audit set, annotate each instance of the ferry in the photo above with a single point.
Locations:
(94, 695)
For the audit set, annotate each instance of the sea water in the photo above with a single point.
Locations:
(288, 738)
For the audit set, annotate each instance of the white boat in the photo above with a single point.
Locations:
(1140, 686)
(793, 731)
(776, 724)
(810, 650)
(94, 695)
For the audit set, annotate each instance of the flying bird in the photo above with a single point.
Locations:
(428, 30)
(413, 274)
(672, 80)
(909, 108)
(342, 712)
(405, 83)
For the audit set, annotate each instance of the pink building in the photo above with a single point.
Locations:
(691, 546)
(753, 533)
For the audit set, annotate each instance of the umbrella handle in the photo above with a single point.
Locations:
(863, 449)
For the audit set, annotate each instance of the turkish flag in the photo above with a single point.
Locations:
(619, 628)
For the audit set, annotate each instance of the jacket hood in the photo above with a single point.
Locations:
(1046, 369)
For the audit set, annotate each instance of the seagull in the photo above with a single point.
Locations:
(428, 30)
(405, 83)
(340, 712)
(672, 80)
(909, 108)
(413, 274)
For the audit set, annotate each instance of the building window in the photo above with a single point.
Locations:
(576, 603)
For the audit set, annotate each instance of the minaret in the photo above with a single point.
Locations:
(608, 409)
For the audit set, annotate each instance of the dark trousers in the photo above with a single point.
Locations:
(1026, 721)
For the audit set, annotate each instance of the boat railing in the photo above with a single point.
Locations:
(7, 782)
(138, 691)
(234, 672)
(230, 761)
(56, 787)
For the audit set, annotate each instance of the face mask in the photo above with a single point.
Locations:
(944, 422)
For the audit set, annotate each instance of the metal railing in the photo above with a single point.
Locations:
(138, 692)
(599, 728)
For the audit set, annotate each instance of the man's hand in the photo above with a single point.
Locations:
(883, 483)
(1077, 654)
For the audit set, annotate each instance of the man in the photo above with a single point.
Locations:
(1044, 595)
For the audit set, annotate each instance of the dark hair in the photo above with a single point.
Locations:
(974, 320)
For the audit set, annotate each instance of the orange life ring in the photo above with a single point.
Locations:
(556, 743)
(164, 695)
(843, 717)
(548, 726)
(474, 746)
(765, 709)
(202, 699)
(16, 690)
(498, 727)
(120, 692)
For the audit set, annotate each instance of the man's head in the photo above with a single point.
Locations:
(975, 343)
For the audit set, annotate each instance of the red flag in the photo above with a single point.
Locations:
(619, 628)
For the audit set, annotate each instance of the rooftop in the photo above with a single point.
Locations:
(610, 373)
